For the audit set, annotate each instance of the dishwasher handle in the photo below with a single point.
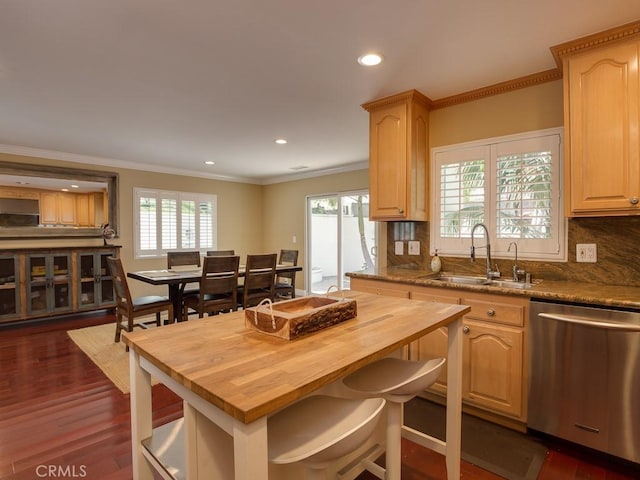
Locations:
(622, 327)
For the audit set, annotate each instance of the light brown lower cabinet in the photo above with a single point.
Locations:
(494, 353)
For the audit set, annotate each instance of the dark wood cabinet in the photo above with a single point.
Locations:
(48, 282)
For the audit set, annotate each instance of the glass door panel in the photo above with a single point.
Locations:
(340, 239)
(9, 291)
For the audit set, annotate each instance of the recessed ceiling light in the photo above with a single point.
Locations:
(209, 162)
(280, 141)
(370, 59)
(75, 186)
(64, 189)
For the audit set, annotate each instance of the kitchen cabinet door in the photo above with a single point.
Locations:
(602, 119)
(57, 208)
(493, 364)
(398, 157)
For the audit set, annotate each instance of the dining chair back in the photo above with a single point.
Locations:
(285, 287)
(176, 259)
(218, 287)
(259, 279)
(131, 308)
(185, 260)
(220, 253)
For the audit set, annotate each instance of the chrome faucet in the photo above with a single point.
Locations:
(490, 273)
(517, 272)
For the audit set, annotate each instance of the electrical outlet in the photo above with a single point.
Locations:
(586, 252)
(399, 250)
(414, 247)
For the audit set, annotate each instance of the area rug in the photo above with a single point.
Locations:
(111, 357)
(507, 453)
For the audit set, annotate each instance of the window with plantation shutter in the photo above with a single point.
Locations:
(173, 221)
(511, 184)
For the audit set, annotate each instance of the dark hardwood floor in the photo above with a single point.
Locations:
(60, 417)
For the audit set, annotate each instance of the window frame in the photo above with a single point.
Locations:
(178, 197)
(554, 249)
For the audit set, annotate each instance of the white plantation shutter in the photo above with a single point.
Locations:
(511, 184)
(147, 238)
(169, 224)
(173, 221)
(207, 225)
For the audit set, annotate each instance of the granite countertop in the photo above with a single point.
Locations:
(560, 290)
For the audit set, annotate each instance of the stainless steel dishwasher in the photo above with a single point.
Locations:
(584, 382)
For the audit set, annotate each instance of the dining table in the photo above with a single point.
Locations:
(232, 378)
(176, 278)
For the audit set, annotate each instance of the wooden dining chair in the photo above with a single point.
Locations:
(132, 308)
(179, 259)
(218, 287)
(285, 287)
(184, 259)
(259, 280)
(220, 253)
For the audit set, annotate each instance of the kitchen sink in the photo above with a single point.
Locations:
(467, 280)
(474, 280)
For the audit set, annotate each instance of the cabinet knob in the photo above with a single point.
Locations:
(465, 329)
(633, 200)
(401, 210)
(491, 312)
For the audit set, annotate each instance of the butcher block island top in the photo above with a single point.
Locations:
(249, 374)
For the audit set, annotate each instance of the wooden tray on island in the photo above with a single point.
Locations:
(294, 318)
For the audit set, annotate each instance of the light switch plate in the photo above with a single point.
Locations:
(399, 248)
(414, 247)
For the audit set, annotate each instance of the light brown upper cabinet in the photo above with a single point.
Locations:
(602, 122)
(57, 208)
(398, 157)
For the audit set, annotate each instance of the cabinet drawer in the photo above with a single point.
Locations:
(380, 288)
(433, 295)
(495, 311)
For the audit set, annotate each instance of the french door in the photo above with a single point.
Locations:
(340, 239)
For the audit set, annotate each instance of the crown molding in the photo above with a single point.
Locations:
(498, 88)
(403, 97)
(629, 30)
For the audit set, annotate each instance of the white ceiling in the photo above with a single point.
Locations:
(165, 85)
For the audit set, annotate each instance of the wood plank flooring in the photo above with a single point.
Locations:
(60, 417)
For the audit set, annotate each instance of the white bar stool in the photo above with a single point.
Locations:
(397, 381)
(319, 429)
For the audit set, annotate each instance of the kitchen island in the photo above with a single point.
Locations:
(232, 378)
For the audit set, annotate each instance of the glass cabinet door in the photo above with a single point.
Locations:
(87, 283)
(48, 283)
(61, 282)
(9, 291)
(107, 294)
(96, 285)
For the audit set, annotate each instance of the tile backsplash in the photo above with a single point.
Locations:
(617, 240)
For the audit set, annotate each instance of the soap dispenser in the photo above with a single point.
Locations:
(436, 263)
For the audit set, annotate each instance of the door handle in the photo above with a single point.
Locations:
(624, 327)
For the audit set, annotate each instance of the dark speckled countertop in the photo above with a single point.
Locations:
(563, 291)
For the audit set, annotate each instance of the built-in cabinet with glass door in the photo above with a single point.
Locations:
(95, 282)
(48, 282)
(10, 298)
